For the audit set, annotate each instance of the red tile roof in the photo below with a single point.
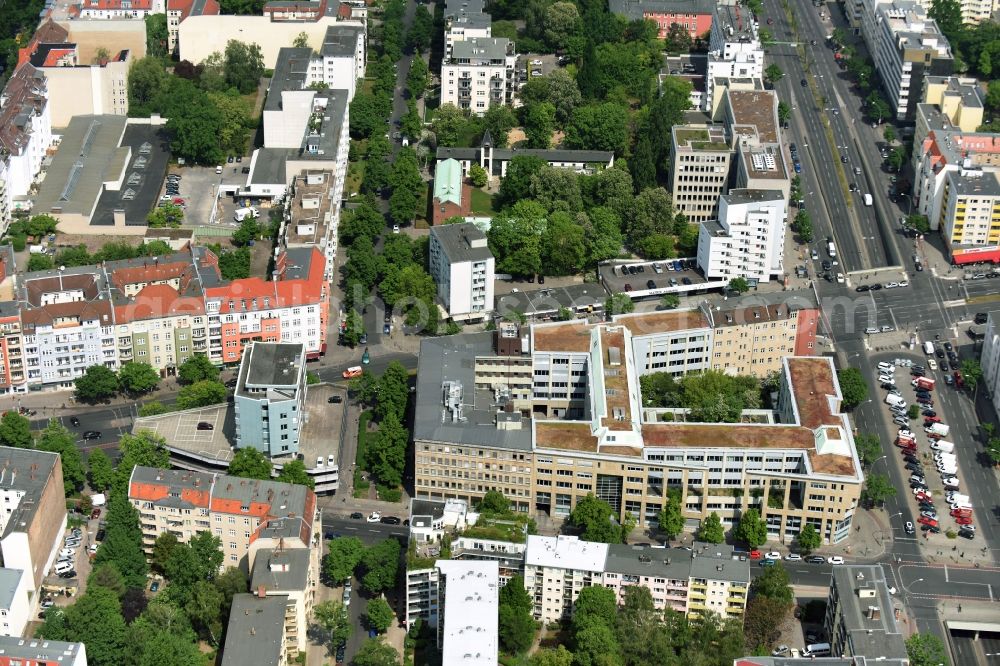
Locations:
(153, 492)
(140, 5)
(49, 32)
(280, 294)
(158, 300)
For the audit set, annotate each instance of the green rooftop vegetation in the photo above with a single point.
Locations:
(686, 135)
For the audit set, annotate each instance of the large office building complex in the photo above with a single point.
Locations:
(555, 412)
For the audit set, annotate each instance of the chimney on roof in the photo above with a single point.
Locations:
(261, 591)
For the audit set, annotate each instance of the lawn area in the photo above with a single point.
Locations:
(482, 202)
(365, 438)
(510, 526)
(355, 174)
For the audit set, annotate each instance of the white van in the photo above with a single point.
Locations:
(868, 200)
(886, 367)
(243, 213)
(929, 348)
(817, 650)
(63, 567)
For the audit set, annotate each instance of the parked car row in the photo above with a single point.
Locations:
(66, 563)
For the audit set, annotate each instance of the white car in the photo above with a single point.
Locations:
(67, 552)
(395, 228)
(950, 481)
(891, 285)
(904, 283)
(903, 432)
(840, 278)
(932, 364)
(374, 517)
(793, 557)
(886, 379)
(772, 556)
(835, 559)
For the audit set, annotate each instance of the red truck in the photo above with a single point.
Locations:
(923, 383)
(906, 442)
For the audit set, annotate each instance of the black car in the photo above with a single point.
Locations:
(686, 280)
(955, 365)
(918, 484)
(92, 434)
(803, 83)
(887, 386)
(815, 559)
(939, 352)
(205, 425)
(966, 534)
(862, 288)
(933, 529)
(335, 399)
(917, 373)
(952, 356)
(75, 422)
(650, 284)
(876, 287)
(929, 412)
(329, 535)
(68, 574)
(918, 367)
(981, 317)
(826, 265)
(357, 515)
(390, 520)
(232, 383)
(843, 158)
(100, 535)
(923, 394)
(947, 346)
(914, 467)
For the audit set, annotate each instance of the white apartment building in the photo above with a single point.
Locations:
(557, 568)
(699, 173)
(463, 269)
(975, 12)
(747, 240)
(464, 19)
(707, 579)
(25, 136)
(990, 359)
(734, 50)
(479, 74)
(468, 631)
(906, 45)
(15, 608)
(343, 57)
(120, 9)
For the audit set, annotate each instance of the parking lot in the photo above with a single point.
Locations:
(925, 455)
(181, 431)
(199, 187)
(652, 279)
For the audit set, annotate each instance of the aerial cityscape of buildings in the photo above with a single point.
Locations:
(662, 288)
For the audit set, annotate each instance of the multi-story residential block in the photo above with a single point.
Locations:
(179, 10)
(970, 211)
(861, 617)
(25, 136)
(290, 573)
(949, 100)
(15, 605)
(423, 583)
(752, 335)
(581, 428)
(707, 579)
(312, 216)
(747, 240)
(343, 57)
(82, 88)
(695, 16)
(159, 311)
(16, 651)
(906, 45)
(310, 11)
(734, 49)
(463, 269)
(291, 308)
(248, 515)
(468, 631)
(270, 397)
(119, 9)
(990, 359)
(975, 12)
(261, 630)
(305, 129)
(699, 174)
(479, 74)
(464, 19)
(34, 516)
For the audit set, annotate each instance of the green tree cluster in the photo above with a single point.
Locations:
(516, 624)
(379, 566)
(597, 522)
(711, 396)
(852, 386)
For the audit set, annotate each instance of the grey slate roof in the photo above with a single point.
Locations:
(871, 637)
(544, 302)
(340, 40)
(15, 647)
(268, 363)
(273, 578)
(455, 238)
(9, 579)
(256, 630)
(28, 471)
